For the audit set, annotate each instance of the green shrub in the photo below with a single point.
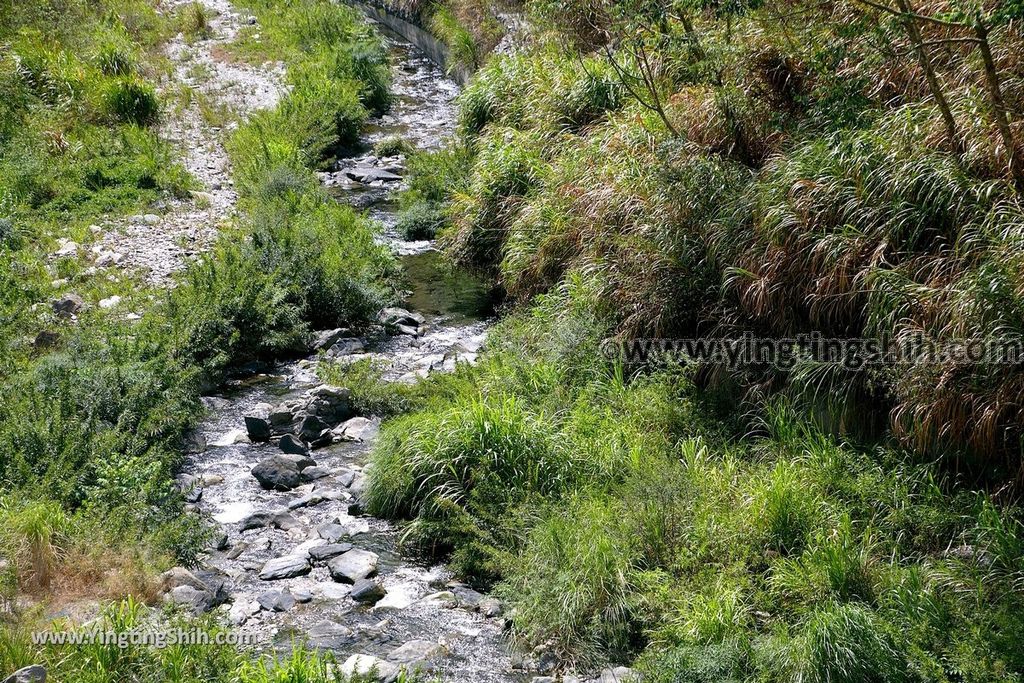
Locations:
(194, 21)
(115, 59)
(420, 221)
(132, 101)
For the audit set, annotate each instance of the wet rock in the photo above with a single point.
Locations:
(286, 567)
(28, 674)
(309, 500)
(490, 607)
(194, 442)
(293, 445)
(373, 668)
(276, 600)
(395, 317)
(346, 346)
(325, 339)
(368, 591)
(328, 635)
(220, 542)
(282, 416)
(444, 599)
(310, 428)
(69, 304)
(257, 423)
(369, 174)
(408, 330)
(547, 662)
(466, 595)
(285, 522)
(278, 472)
(257, 520)
(315, 472)
(354, 565)
(325, 552)
(418, 654)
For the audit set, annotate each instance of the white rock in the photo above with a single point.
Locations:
(363, 665)
(110, 302)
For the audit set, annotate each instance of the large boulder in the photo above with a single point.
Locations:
(331, 404)
(354, 565)
(286, 567)
(257, 423)
(325, 339)
(281, 472)
(69, 304)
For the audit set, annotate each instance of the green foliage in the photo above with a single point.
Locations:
(132, 101)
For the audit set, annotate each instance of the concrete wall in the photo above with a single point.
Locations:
(415, 34)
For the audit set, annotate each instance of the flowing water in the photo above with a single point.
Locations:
(456, 310)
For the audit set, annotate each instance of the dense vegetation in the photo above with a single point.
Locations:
(94, 407)
(699, 170)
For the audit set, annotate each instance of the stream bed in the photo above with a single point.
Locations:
(423, 619)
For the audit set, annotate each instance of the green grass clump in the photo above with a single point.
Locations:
(132, 101)
(420, 222)
(393, 145)
(194, 21)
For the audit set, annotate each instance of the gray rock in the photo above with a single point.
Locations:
(619, 674)
(466, 595)
(278, 473)
(286, 567)
(285, 522)
(325, 339)
(293, 445)
(369, 174)
(28, 674)
(256, 520)
(408, 330)
(354, 565)
(322, 553)
(490, 607)
(330, 404)
(69, 304)
(198, 601)
(276, 600)
(346, 347)
(418, 654)
(367, 591)
(332, 532)
(313, 473)
(357, 429)
(302, 596)
(220, 542)
(328, 635)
